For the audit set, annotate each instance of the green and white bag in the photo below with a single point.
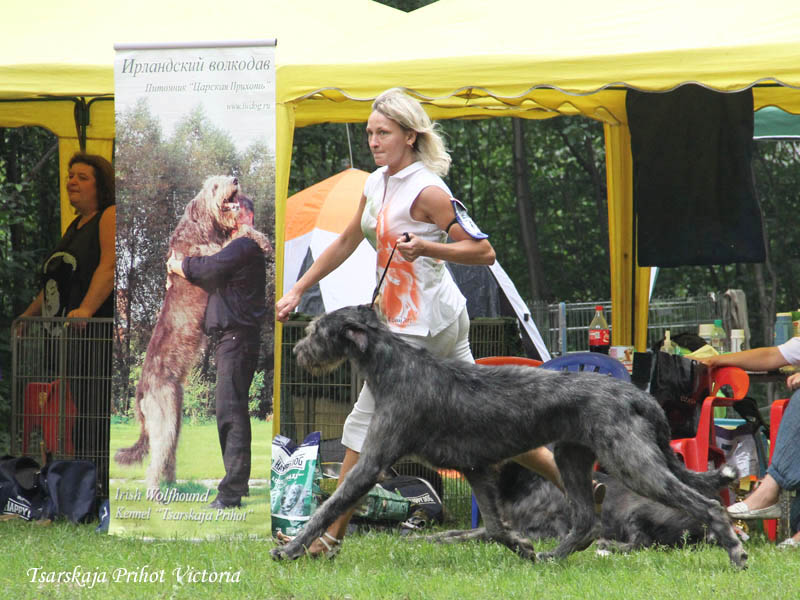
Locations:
(294, 487)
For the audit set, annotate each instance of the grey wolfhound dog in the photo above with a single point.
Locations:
(539, 510)
(471, 417)
(207, 225)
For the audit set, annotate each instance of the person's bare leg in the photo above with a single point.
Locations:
(766, 494)
(338, 528)
(541, 461)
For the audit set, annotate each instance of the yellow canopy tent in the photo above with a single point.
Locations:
(464, 58)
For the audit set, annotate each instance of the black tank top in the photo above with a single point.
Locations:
(68, 271)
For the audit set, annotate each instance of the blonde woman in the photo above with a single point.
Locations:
(406, 206)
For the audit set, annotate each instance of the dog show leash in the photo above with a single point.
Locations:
(407, 238)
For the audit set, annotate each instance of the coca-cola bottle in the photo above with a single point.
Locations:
(599, 335)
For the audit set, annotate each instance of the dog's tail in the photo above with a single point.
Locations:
(136, 453)
(708, 483)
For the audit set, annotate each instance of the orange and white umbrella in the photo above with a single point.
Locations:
(315, 216)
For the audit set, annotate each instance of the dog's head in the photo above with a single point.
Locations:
(335, 337)
(217, 202)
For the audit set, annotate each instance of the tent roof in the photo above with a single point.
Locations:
(533, 57)
(55, 48)
(540, 59)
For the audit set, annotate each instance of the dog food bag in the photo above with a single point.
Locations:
(294, 487)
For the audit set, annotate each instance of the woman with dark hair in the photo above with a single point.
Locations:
(77, 283)
(78, 275)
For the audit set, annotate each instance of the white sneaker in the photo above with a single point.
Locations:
(789, 543)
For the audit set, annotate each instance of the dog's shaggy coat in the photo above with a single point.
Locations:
(471, 417)
(204, 229)
(539, 510)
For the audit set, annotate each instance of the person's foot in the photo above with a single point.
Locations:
(222, 503)
(764, 496)
(740, 510)
(788, 543)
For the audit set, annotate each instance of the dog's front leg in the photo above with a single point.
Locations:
(354, 486)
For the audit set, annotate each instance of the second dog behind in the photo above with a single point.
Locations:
(539, 510)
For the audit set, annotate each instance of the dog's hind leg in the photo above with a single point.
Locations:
(453, 536)
(172, 448)
(161, 425)
(484, 486)
(575, 464)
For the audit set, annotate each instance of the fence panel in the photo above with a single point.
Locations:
(61, 390)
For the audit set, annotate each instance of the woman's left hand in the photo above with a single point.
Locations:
(79, 313)
(412, 249)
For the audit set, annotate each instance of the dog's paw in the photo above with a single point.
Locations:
(279, 553)
(545, 557)
(287, 552)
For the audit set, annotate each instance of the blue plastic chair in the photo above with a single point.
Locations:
(589, 362)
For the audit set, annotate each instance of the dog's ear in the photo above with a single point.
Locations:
(358, 336)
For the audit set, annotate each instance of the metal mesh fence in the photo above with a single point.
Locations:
(61, 390)
(565, 326)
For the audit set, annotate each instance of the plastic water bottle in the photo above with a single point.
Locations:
(599, 334)
(737, 340)
(783, 327)
(719, 339)
(704, 331)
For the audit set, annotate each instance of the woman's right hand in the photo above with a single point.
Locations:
(286, 305)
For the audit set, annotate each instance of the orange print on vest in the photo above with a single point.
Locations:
(399, 298)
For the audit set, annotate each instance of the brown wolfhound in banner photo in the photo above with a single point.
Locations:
(206, 226)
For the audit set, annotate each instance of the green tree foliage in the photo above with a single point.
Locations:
(29, 227)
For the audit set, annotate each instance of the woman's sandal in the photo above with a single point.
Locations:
(332, 544)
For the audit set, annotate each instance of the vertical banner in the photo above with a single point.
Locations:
(195, 185)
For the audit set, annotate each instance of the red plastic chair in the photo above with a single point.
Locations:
(494, 361)
(698, 451)
(508, 360)
(775, 415)
(42, 409)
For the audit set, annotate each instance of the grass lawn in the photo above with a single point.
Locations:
(372, 565)
(199, 456)
(199, 469)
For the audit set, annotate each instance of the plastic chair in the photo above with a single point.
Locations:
(42, 409)
(508, 360)
(589, 362)
(494, 361)
(701, 449)
(775, 415)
